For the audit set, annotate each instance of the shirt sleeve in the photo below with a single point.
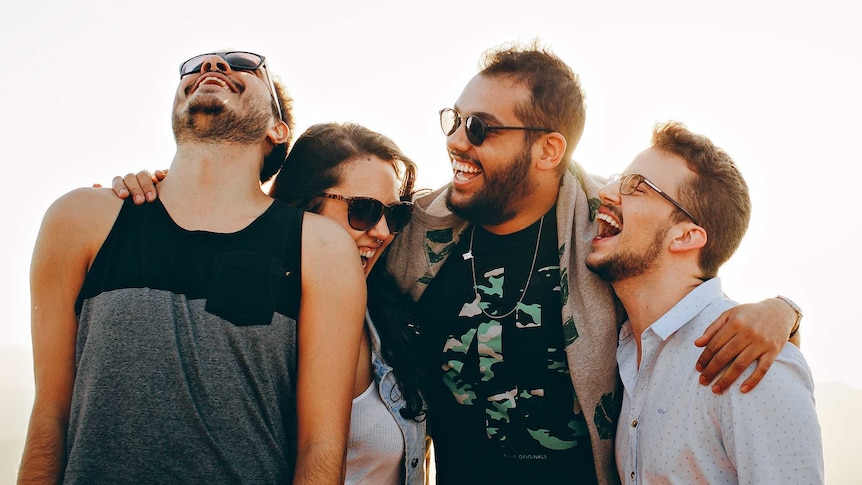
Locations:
(772, 434)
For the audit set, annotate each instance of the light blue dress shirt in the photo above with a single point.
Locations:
(674, 430)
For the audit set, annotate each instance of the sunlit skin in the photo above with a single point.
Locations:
(365, 176)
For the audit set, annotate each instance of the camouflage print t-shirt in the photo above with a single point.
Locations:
(504, 410)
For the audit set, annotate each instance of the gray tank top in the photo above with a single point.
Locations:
(186, 353)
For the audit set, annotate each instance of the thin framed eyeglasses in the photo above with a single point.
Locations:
(363, 213)
(475, 128)
(238, 61)
(630, 182)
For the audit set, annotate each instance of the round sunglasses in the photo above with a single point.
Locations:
(363, 213)
(476, 129)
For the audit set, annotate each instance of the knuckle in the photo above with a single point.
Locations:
(738, 366)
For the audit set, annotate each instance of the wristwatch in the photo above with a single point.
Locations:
(796, 309)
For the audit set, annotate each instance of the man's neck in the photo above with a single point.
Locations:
(647, 297)
(214, 187)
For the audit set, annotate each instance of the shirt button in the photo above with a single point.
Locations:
(633, 475)
(414, 462)
(634, 423)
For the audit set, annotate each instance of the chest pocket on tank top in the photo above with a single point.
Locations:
(245, 287)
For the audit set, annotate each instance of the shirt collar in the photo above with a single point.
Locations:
(687, 308)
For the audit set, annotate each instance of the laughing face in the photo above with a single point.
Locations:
(633, 229)
(365, 176)
(221, 104)
(490, 182)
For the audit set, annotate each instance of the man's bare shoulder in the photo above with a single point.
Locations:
(326, 238)
(85, 212)
(318, 226)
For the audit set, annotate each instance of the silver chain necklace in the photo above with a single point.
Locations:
(469, 255)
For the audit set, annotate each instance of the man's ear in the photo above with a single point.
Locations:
(278, 133)
(552, 149)
(692, 237)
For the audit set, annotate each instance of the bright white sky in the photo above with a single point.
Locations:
(89, 94)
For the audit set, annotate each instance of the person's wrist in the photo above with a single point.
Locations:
(798, 312)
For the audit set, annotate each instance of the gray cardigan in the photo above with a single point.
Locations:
(591, 314)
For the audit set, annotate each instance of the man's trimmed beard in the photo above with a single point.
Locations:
(628, 264)
(501, 195)
(221, 124)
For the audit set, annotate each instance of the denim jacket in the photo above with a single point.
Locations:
(412, 431)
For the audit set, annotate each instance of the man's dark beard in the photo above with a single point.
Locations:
(628, 264)
(501, 195)
(221, 124)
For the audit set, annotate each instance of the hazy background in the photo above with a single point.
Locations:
(88, 86)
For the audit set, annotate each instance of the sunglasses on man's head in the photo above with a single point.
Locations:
(363, 213)
(476, 129)
(238, 61)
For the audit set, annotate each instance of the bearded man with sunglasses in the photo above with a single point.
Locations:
(522, 338)
(661, 253)
(209, 337)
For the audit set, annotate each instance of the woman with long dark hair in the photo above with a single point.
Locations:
(361, 179)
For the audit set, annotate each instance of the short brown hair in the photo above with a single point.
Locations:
(557, 100)
(717, 195)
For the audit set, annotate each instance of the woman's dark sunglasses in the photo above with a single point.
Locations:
(363, 213)
(238, 61)
(476, 129)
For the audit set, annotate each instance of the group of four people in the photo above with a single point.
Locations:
(223, 335)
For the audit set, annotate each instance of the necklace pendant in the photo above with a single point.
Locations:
(469, 256)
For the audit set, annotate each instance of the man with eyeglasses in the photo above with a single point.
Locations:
(521, 335)
(209, 337)
(661, 257)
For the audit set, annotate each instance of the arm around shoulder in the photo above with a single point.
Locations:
(742, 335)
(72, 231)
(331, 316)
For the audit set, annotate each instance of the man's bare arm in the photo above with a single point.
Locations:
(742, 335)
(332, 313)
(60, 261)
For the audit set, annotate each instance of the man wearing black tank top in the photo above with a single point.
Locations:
(521, 335)
(209, 338)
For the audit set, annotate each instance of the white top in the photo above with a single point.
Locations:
(674, 430)
(375, 445)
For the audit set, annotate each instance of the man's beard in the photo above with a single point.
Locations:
(501, 195)
(209, 120)
(628, 264)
